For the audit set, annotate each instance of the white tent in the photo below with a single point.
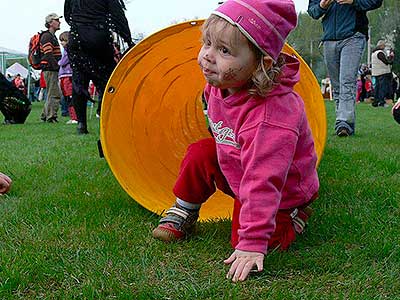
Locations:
(6, 54)
(17, 68)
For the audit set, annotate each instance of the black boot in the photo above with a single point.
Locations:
(82, 128)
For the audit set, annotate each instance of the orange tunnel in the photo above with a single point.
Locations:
(152, 111)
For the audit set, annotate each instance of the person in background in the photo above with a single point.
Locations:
(363, 72)
(19, 83)
(50, 48)
(5, 183)
(91, 49)
(42, 83)
(345, 31)
(35, 89)
(14, 105)
(65, 77)
(369, 91)
(262, 153)
(381, 70)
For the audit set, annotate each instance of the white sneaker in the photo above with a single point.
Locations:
(72, 122)
(97, 116)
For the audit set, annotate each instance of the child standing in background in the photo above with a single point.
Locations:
(65, 77)
(262, 153)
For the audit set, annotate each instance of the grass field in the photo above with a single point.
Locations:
(69, 231)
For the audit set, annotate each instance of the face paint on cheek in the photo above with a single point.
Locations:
(231, 74)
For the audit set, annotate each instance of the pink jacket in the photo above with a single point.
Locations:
(266, 152)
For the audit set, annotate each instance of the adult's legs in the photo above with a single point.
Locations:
(332, 62)
(64, 107)
(80, 96)
(342, 59)
(388, 87)
(100, 80)
(379, 97)
(351, 50)
(53, 95)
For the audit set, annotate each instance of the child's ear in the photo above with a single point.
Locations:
(267, 60)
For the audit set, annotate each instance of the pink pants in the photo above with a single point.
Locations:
(198, 177)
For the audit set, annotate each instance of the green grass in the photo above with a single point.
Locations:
(69, 231)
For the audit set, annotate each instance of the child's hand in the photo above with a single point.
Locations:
(325, 3)
(242, 263)
(5, 183)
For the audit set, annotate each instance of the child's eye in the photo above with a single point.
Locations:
(225, 50)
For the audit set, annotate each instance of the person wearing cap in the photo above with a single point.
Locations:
(91, 48)
(345, 31)
(51, 51)
(381, 70)
(262, 151)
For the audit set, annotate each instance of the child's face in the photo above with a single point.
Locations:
(63, 43)
(226, 59)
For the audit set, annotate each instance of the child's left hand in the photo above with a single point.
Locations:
(242, 263)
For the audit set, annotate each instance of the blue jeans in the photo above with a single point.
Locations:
(342, 59)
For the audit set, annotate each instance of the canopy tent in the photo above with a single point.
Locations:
(6, 54)
(17, 68)
(152, 111)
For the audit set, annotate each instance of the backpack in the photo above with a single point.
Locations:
(34, 53)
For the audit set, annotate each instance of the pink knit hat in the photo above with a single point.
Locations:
(266, 23)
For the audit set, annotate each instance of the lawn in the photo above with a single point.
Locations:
(69, 231)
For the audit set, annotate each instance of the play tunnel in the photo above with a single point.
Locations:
(152, 111)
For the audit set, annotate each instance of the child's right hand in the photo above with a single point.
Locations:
(5, 183)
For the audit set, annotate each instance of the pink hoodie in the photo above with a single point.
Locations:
(266, 152)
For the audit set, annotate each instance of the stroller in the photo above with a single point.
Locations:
(14, 105)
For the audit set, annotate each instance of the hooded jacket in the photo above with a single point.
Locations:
(266, 152)
(65, 66)
(340, 21)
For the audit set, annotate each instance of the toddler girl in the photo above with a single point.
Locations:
(262, 153)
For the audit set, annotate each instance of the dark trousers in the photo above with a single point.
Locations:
(383, 89)
(92, 58)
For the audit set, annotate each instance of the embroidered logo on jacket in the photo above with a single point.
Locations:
(223, 135)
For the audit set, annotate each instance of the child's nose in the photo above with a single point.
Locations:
(208, 55)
